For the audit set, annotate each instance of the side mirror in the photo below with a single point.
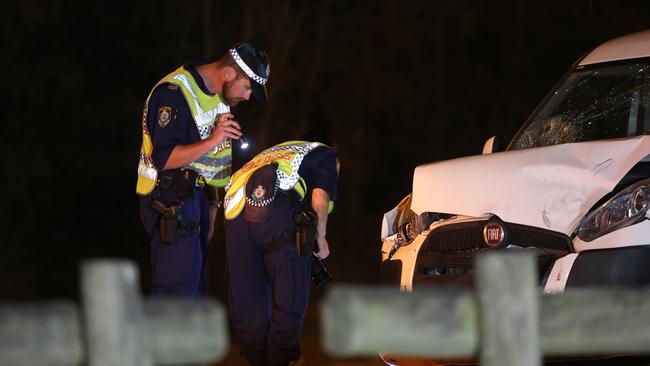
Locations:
(494, 144)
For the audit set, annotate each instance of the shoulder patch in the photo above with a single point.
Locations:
(172, 87)
(164, 116)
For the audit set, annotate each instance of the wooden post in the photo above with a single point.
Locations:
(113, 314)
(40, 334)
(509, 301)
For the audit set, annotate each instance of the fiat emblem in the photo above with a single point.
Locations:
(493, 234)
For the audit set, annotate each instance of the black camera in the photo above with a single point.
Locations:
(319, 274)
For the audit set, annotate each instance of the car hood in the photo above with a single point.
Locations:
(549, 187)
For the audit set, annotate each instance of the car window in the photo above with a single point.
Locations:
(592, 104)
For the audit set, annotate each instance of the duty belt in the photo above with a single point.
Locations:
(193, 178)
(285, 239)
(180, 182)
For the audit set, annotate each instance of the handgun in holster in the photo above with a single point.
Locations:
(306, 221)
(168, 225)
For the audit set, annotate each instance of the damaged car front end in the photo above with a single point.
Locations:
(573, 186)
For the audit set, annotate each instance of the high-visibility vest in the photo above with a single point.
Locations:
(214, 166)
(288, 156)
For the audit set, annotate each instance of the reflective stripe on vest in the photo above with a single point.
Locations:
(214, 166)
(287, 155)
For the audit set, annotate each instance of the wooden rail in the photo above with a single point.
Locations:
(114, 326)
(505, 321)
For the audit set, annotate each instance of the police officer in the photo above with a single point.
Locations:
(269, 274)
(186, 155)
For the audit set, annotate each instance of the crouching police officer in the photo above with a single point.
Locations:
(269, 271)
(186, 155)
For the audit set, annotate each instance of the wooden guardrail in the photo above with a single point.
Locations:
(505, 321)
(114, 326)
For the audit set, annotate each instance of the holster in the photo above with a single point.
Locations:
(168, 225)
(306, 222)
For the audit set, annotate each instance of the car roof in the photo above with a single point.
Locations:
(622, 48)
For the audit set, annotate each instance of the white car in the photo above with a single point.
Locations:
(573, 186)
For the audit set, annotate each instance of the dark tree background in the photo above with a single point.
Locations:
(397, 83)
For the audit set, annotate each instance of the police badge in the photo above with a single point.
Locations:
(164, 116)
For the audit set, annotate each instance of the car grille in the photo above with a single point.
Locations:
(447, 254)
(467, 237)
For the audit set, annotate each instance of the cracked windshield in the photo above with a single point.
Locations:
(592, 104)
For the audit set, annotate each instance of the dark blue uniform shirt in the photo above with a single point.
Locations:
(181, 129)
(318, 169)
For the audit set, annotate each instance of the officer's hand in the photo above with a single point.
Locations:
(225, 127)
(323, 248)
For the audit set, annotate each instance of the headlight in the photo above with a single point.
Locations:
(627, 208)
(408, 224)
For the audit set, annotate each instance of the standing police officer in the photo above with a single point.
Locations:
(268, 271)
(186, 155)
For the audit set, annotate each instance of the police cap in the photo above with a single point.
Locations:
(256, 64)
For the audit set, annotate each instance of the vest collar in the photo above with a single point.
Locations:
(190, 66)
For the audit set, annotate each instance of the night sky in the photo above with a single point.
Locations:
(397, 84)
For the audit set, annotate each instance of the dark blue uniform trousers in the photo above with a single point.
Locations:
(268, 293)
(178, 269)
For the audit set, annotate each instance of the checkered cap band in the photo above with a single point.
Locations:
(260, 80)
